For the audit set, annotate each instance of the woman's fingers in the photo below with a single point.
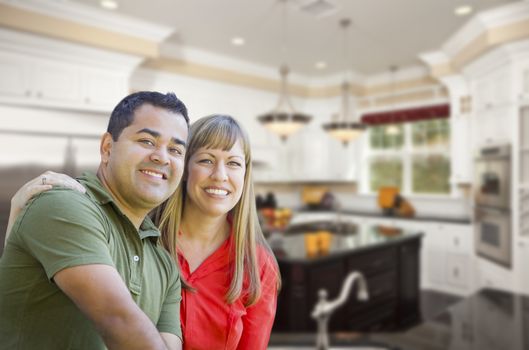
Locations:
(26, 192)
(44, 182)
(59, 180)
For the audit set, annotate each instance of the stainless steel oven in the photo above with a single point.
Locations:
(493, 235)
(493, 203)
(493, 177)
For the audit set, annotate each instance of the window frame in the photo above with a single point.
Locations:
(406, 154)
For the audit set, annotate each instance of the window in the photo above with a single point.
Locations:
(413, 156)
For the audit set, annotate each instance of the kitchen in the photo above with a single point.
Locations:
(61, 77)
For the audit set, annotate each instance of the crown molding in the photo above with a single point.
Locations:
(483, 22)
(94, 17)
(487, 31)
(14, 42)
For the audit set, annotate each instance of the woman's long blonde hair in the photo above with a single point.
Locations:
(221, 132)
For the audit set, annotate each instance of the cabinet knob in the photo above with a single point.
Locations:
(87, 100)
(27, 93)
(456, 272)
(456, 241)
(39, 94)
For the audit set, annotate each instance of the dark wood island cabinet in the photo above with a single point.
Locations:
(389, 260)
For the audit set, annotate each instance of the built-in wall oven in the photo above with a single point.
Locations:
(492, 200)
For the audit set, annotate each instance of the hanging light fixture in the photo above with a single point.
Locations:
(343, 127)
(283, 119)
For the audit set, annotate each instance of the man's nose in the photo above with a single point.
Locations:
(160, 156)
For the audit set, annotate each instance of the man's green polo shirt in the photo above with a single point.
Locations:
(63, 228)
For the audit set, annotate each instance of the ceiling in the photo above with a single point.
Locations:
(383, 32)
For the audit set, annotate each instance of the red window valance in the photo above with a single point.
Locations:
(407, 115)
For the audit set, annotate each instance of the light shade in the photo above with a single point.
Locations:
(284, 124)
(284, 120)
(343, 126)
(344, 131)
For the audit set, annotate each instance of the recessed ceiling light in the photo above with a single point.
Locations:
(109, 4)
(463, 10)
(320, 65)
(237, 41)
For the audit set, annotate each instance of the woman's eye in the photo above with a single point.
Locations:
(206, 161)
(236, 164)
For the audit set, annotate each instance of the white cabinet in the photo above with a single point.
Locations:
(493, 89)
(522, 256)
(52, 83)
(102, 89)
(494, 126)
(461, 154)
(55, 82)
(494, 102)
(15, 76)
(447, 258)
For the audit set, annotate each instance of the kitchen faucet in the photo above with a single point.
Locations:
(323, 309)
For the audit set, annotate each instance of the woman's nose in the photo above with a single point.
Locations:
(219, 172)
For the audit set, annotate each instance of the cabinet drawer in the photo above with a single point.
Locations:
(372, 263)
(461, 242)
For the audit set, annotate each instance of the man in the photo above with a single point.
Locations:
(84, 271)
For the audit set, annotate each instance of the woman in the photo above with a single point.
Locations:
(210, 226)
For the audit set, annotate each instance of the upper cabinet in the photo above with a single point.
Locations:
(48, 73)
(53, 83)
(493, 89)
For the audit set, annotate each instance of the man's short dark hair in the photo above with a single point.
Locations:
(123, 114)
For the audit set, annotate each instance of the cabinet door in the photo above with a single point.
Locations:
(14, 73)
(308, 160)
(457, 270)
(103, 90)
(522, 249)
(494, 89)
(56, 83)
(460, 153)
(494, 126)
(408, 296)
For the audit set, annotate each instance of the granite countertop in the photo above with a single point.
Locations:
(487, 320)
(452, 220)
(315, 241)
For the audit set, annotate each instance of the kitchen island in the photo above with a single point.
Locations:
(321, 254)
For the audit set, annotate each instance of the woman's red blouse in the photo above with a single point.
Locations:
(208, 322)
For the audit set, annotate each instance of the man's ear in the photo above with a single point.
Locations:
(105, 148)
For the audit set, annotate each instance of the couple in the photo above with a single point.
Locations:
(87, 268)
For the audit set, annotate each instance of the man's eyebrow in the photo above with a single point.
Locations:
(178, 141)
(151, 132)
(156, 134)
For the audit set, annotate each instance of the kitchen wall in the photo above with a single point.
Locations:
(34, 139)
(306, 157)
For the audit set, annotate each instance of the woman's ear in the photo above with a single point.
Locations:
(105, 147)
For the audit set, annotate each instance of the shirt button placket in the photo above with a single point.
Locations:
(136, 273)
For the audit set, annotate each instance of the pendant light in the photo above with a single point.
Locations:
(343, 127)
(283, 119)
